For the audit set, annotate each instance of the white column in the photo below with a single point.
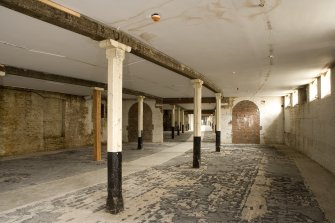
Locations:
(182, 121)
(218, 122)
(115, 53)
(197, 85)
(140, 100)
(218, 111)
(140, 122)
(173, 115)
(178, 121)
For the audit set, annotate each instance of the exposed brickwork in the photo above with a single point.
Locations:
(133, 123)
(167, 120)
(246, 123)
(34, 121)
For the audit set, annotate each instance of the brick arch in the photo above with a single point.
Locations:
(133, 123)
(246, 123)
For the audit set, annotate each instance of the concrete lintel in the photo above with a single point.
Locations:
(97, 31)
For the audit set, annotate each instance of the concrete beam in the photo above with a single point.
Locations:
(224, 100)
(10, 70)
(187, 100)
(97, 31)
(203, 112)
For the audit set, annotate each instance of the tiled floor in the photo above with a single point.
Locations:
(238, 184)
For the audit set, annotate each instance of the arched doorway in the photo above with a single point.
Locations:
(246, 123)
(133, 123)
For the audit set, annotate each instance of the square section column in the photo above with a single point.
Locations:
(173, 121)
(115, 54)
(218, 122)
(197, 85)
(140, 121)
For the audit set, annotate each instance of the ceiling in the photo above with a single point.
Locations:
(229, 41)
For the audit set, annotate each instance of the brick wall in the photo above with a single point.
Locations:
(271, 119)
(32, 121)
(246, 123)
(157, 119)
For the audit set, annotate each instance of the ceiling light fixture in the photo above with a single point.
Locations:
(261, 3)
(60, 7)
(155, 17)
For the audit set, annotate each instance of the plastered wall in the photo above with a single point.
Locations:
(310, 128)
(157, 119)
(271, 119)
(32, 121)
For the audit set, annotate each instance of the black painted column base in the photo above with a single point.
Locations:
(172, 132)
(140, 143)
(182, 128)
(114, 202)
(178, 130)
(196, 151)
(218, 140)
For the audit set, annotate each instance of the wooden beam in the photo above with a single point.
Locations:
(10, 70)
(97, 31)
(97, 123)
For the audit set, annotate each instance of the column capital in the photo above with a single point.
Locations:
(197, 82)
(173, 106)
(97, 89)
(218, 96)
(114, 49)
(110, 44)
(140, 97)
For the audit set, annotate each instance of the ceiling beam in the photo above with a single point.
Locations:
(67, 80)
(187, 100)
(203, 112)
(97, 31)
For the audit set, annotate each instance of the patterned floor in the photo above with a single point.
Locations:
(239, 184)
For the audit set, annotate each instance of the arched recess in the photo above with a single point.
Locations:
(133, 123)
(246, 123)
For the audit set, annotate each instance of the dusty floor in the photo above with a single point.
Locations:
(239, 184)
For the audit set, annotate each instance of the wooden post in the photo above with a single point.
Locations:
(97, 123)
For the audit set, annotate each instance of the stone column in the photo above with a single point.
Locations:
(178, 122)
(214, 127)
(97, 123)
(140, 121)
(115, 53)
(218, 121)
(182, 121)
(173, 121)
(197, 85)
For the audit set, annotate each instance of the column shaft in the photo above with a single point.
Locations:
(115, 53)
(197, 84)
(140, 122)
(173, 121)
(178, 121)
(218, 122)
(182, 121)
